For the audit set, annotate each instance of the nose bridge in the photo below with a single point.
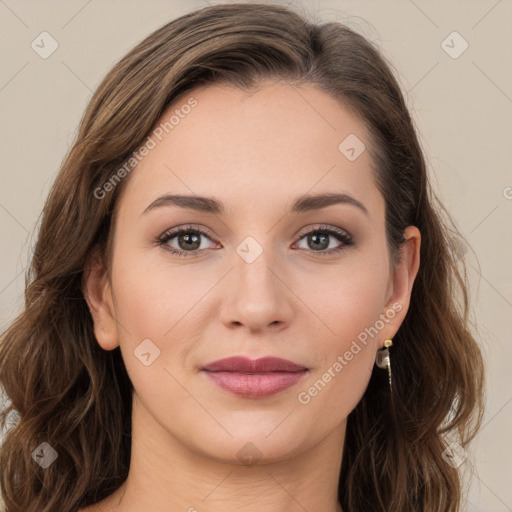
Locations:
(253, 264)
(256, 298)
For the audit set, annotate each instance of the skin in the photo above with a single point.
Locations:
(256, 152)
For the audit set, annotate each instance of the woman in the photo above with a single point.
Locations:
(226, 306)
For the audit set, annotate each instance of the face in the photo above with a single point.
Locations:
(266, 274)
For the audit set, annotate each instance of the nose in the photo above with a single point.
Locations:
(257, 296)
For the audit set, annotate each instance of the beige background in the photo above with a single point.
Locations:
(462, 107)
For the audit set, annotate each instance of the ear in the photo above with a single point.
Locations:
(401, 282)
(98, 295)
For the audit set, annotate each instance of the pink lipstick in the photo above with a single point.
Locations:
(254, 378)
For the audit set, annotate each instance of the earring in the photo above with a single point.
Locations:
(382, 359)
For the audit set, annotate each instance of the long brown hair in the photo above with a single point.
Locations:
(75, 396)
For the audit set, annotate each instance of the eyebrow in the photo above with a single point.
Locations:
(302, 204)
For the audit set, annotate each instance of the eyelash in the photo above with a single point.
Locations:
(339, 234)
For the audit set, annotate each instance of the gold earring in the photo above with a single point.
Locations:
(382, 358)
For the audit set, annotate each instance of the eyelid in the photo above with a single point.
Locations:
(322, 227)
(187, 227)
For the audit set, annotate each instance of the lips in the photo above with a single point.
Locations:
(242, 364)
(254, 378)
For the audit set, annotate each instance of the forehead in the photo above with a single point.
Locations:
(274, 142)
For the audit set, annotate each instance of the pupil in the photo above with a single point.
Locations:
(325, 240)
(190, 238)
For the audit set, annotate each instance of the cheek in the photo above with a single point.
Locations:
(349, 301)
(161, 304)
(333, 392)
(152, 298)
(349, 307)
(166, 303)
(346, 361)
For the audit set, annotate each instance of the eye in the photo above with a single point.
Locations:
(188, 240)
(318, 240)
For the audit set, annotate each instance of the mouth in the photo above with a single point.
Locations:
(258, 378)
